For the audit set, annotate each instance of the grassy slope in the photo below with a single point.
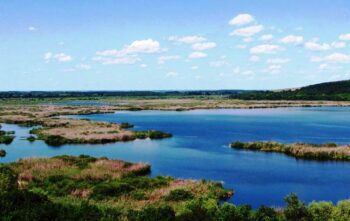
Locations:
(339, 90)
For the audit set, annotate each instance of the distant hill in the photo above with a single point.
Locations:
(338, 91)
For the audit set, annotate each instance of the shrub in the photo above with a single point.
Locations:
(8, 179)
(6, 139)
(321, 211)
(295, 210)
(266, 214)
(178, 195)
(151, 213)
(31, 139)
(2, 153)
(126, 125)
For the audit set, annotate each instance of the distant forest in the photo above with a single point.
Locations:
(337, 91)
(55, 94)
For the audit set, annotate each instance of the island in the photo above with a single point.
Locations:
(322, 152)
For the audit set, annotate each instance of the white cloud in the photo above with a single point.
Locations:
(345, 37)
(193, 39)
(197, 54)
(83, 67)
(241, 19)
(254, 58)
(143, 65)
(194, 67)
(203, 46)
(292, 39)
(247, 31)
(333, 58)
(249, 39)
(60, 57)
(172, 74)
(118, 60)
(143, 46)
(265, 49)
(274, 69)
(323, 66)
(241, 46)
(278, 61)
(315, 46)
(266, 37)
(31, 28)
(163, 59)
(247, 73)
(338, 45)
(129, 54)
(218, 63)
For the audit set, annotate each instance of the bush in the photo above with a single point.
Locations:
(8, 179)
(321, 211)
(152, 134)
(2, 153)
(295, 210)
(126, 125)
(151, 213)
(6, 139)
(178, 195)
(266, 214)
(31, 139)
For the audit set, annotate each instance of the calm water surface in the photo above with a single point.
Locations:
(199, 149)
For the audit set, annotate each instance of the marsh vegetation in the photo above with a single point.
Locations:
(329, 151)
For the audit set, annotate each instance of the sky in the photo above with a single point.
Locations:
(172, 44)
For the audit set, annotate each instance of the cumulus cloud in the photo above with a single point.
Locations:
(266, 37)
(345, 37)
(193, 39)
(315, 46)
(333, 58)
(129, 54)
(278, 61)
(242, 19)
(273, 69)
(83, 67)
(254, 58)
(218, 63)
(265, 49)
(163, 59)
(203, 46)
(197, 54)
(247, 31)
(292, 39)
(60, 57)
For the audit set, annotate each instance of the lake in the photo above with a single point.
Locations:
(199, 150)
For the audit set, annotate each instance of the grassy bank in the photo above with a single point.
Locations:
(87, 188)
(58, 131)
(68, 187)
(321, 152)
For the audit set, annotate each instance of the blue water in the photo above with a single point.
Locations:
(199, 150)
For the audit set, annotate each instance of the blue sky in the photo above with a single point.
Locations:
(173, 44)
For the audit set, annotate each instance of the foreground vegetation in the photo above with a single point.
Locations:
(87, 188)
(330, 151)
